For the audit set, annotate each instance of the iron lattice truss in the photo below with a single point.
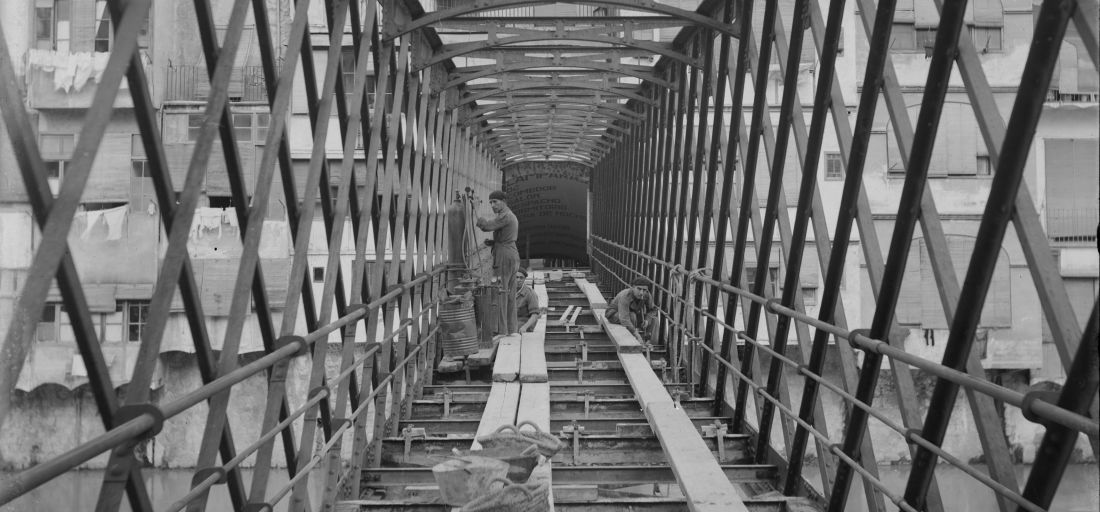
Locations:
(665, 181)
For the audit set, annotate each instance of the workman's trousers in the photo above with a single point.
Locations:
(505, 265)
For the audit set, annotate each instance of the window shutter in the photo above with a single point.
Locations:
(1068, 71)
(926, 14)
(908, 309)
(997, 311)
(792, 174)
(903, 12)
(83, 25)
(957, 142)
(298, 102)
(998, 302)
(932, 316)
(987, 12)
(276, 276)
(216, 281)
(809, 273)
(178, 155)
(217, 177)
(894, 160)
(110, 176)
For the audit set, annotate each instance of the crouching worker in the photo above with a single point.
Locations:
(528, 309)
(634, 309)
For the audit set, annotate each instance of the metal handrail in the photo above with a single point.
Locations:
(212, 480)
(27, 480)
(1044, 409)
(1039, 408)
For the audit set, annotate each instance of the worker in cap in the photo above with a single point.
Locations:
(634, 309)
(528, 308)
(505, 229)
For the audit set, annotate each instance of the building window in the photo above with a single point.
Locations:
(242, 127)
(194, 126)
(139, 163)
(222, 202)
(984, 166)
(986, 38)
(809, 296)
(263, 120)
(925, 37)
(53, 24)
(57, 150)
(318, 274)
(750, 280)
(247, 126)
(48, 328)
(347, 69)
(834, 167)
(903, 37)
(103, 32)
(137, 314)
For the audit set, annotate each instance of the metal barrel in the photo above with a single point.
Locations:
(458, 326)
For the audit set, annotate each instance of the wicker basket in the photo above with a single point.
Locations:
(509, 437)
(529, 497)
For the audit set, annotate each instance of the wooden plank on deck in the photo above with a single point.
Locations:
(534, 405)
(595, 297)
(532, 363)
(500, 409)
(506, 367)
(624, 340)
(648, 388)
(700, 477)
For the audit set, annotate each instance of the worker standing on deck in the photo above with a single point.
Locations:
(505, 228)
(634, 309)
(528, 309)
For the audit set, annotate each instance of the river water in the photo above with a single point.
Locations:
(78, 490)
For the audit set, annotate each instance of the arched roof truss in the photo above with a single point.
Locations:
(520, 71)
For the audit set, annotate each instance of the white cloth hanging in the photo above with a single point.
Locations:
(116, 219)
(92, 219)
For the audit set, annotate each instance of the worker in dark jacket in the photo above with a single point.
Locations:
(505, 228)
(634, 309)
(528, 309)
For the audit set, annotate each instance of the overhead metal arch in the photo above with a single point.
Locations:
(636, 23)
(505, 139)
(537, 133)
(431, 18)
(601, 113)
(619, 110)
(457, 50)
(550, 156)
(524, 145)
(569, 115)
(462, 78)
(470, 98)
(566, 126)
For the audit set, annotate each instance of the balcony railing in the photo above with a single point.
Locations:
(190, 83)
(1054, 95)
(1072, 225)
